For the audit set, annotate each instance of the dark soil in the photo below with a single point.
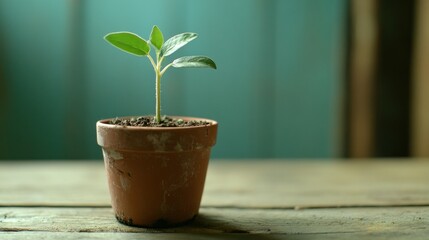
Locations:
(149, 121)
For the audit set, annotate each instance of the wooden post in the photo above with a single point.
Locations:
(362, 72)
(420, 86)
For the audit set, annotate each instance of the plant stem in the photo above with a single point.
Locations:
(158, 97)
(157, 68)
(152, 62)
(165, 68)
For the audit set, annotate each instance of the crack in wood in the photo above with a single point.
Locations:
(226, 206)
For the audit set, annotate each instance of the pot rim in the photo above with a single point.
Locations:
(104, 123)
(157, 139)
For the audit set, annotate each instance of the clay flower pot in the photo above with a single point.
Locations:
(156, 175)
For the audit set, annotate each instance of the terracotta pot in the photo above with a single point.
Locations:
(156, 175)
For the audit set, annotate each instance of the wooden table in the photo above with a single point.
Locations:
(263, 199)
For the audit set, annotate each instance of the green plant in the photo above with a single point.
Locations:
(134, 44)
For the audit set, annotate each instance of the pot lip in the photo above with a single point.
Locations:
(104, 123)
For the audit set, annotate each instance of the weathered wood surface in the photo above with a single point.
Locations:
(412, 221)
(243, 199)
(256, 184)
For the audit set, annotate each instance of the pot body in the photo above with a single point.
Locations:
(156, 175)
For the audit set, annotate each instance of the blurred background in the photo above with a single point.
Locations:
(296, 78)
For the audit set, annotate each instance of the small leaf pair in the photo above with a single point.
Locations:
(134, 44)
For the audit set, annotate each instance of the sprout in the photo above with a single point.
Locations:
(134, 44)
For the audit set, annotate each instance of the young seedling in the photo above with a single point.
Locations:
(134, 44)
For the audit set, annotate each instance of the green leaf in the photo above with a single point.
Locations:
(194, 61)
(128, 42)
(176, 42)
(156, 37)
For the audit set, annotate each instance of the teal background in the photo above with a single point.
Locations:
(277, 91)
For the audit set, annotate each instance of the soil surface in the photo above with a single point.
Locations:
(149, 121)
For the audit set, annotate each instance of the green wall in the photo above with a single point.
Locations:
(277, 91)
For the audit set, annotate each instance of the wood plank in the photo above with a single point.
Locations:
(258, 184)
(407, 221)
(53, 183)
(191, 236)
(317, 184)
(420, 115)
(132, 236)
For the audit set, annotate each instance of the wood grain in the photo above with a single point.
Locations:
(242, 184)
(410, 221)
